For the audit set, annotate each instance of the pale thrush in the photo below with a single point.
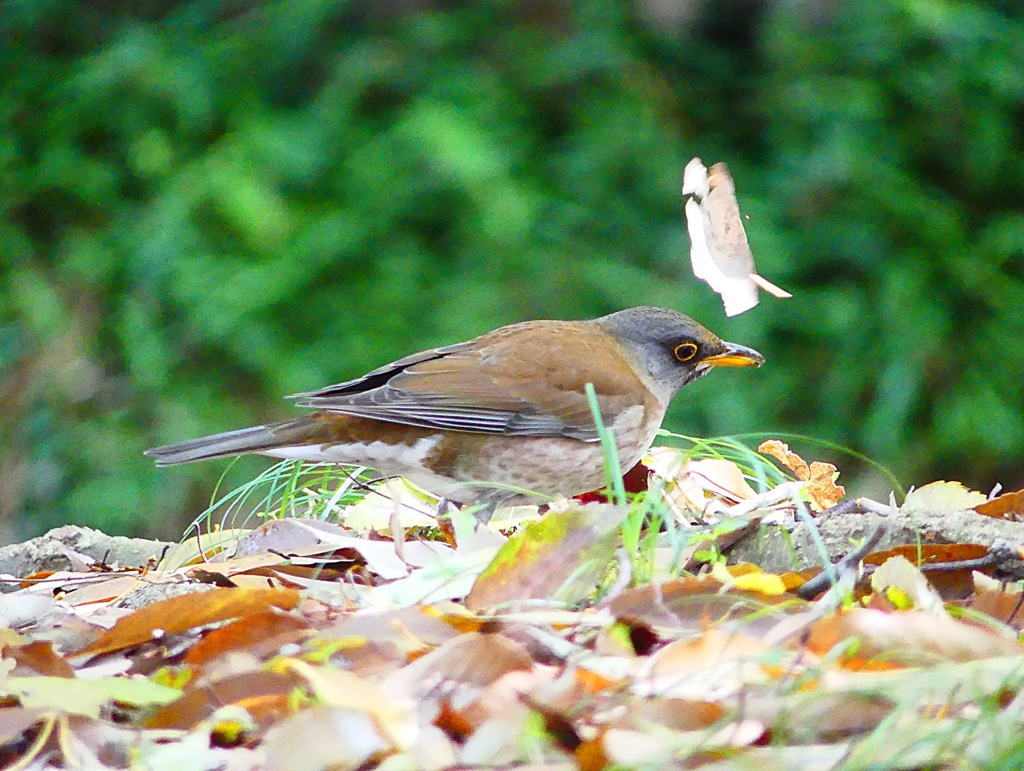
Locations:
(489, 419)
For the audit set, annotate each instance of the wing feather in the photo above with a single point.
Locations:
(512, 381)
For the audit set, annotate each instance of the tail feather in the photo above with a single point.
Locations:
(255, 439)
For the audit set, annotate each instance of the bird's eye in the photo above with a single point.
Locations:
(685, 351)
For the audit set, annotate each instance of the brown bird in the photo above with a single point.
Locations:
(503, 418)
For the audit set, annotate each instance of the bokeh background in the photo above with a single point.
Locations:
(208, 205)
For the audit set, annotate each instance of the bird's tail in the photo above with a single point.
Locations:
(246, 440)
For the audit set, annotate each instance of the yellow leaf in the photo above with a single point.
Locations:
(941, 498)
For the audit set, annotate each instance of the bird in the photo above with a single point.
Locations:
(500, 420)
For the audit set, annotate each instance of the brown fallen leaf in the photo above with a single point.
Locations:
(1003, 603)
(951, 583)
(822, 487)
(1009, 506)
(40, 657)
(179, 614)
(907, 638)
(697, 487)
(264, 694)
(563, 556)
(298, 742)
(820, 477)
(472, 658)
(773, 448)
(247, 633)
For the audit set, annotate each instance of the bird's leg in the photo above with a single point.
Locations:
(492, 500)
(441, 512)
(484, 513)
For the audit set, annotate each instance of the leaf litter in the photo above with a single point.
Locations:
(303, 644)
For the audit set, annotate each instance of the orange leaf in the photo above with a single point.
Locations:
(179, 614)
(246, 633)
(1009, 506)
(590, 755)
(822, 488)
(591, 682)
(951, 584)
(773, 448)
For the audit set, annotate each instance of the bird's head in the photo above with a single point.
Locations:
(673, 348)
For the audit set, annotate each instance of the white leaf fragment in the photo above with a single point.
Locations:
(719, 251)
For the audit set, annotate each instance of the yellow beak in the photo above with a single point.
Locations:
(735, 356)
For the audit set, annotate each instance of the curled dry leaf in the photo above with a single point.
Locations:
(773, 448)
(822, 488)
(820, 477)
(312, 538)
(705, 486)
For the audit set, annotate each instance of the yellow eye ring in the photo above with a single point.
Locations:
(685, 351)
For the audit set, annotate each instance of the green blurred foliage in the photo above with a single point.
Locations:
(208, 205)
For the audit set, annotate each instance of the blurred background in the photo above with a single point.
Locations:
(208, 205)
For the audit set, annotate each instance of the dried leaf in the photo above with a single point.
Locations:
(749, 578)
(299, 743)
(180, 614)
(373, 511)
(40, 657)
(264, 695)
(773, 448)
(113, 588)
(951, 584)
(1009, 506)
(909, 638)
(563, 556)
(393, 714)
(822, 488)
(941, 498)
(1004, 604)
(712, 647)
(86, 697)
(719, 251)
(898, 576)
(310, 538)
(710, 485)
(252, 631)
(472, 658)
(820, 477)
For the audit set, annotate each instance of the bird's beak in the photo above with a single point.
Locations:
(735, 355)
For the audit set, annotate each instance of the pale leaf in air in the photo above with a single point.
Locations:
(719, 251)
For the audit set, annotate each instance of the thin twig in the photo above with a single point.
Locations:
(776, 495)
(823, 580)
(881, 509)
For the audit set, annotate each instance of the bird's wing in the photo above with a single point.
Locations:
(514, 381)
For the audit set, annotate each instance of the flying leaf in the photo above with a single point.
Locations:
(719, 252)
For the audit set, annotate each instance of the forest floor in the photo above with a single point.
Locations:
(703, 625)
